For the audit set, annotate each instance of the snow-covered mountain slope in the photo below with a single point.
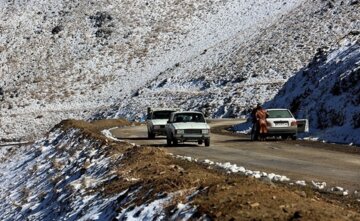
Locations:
(225, 83)
(62, 59)
(48, 180)
(327, 92)
(62, 177)
(67, 59)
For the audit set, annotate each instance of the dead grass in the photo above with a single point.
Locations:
(57, 164)
(222, 196)
(93, 129)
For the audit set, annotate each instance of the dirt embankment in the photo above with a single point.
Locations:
(219, 196)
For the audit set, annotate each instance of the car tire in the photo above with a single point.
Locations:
(293, 137)
(168, 140)
(207, 142)
(253, 136)
(284, 137)
(151, 135)
(175, 141)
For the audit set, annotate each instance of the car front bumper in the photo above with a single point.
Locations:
(160, 130)
(191, 137)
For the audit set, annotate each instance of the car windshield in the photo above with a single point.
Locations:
(161, 114)
(279, 114)
(189, 117)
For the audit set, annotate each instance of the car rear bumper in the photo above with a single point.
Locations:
(282, 130)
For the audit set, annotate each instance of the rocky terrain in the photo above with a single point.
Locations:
(62, 59)
(228, 84)
(327, 92)
(70, 59)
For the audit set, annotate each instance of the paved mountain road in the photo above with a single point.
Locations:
(298, 160)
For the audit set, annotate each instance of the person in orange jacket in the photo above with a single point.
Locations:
(261, 115)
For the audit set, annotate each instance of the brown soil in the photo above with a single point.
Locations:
(221, 196)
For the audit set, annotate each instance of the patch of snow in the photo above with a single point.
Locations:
(183, 212)
(319, 185)
(147, 211)
(108, 134)
(301, 182)
(233, 168)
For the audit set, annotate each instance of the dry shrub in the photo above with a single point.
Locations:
(93, 129)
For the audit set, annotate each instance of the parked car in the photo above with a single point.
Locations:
(187, 126)
(156, 121)
(280, 122)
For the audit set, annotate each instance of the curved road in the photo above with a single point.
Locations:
(298, 160)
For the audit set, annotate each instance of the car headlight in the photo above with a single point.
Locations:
(156, 127)
(205, 131)
(179, 131)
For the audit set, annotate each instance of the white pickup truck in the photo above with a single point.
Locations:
(156, 121)
(187, 126)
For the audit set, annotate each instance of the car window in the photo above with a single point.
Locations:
(161, 114)
(279, 114)
(189, 117)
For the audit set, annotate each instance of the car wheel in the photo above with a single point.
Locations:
(200, 142)
(168, 140)
(293, 137)
(253, 136)
(175, 141)
(151, 135)
(284, 137)
(207, 142)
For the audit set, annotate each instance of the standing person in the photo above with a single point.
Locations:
(261, 115)
(255, 125)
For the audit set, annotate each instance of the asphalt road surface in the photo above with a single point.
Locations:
(298, 160)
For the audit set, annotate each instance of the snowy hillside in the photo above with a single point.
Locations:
(62, 59)
(68, 59)
(327, 92)
(48, 180)
(227, 83)
(62, 177)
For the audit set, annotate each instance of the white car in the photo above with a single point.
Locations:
(187, 126)
(280, 122)
(156, 121)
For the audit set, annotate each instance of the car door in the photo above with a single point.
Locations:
(302, 125)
